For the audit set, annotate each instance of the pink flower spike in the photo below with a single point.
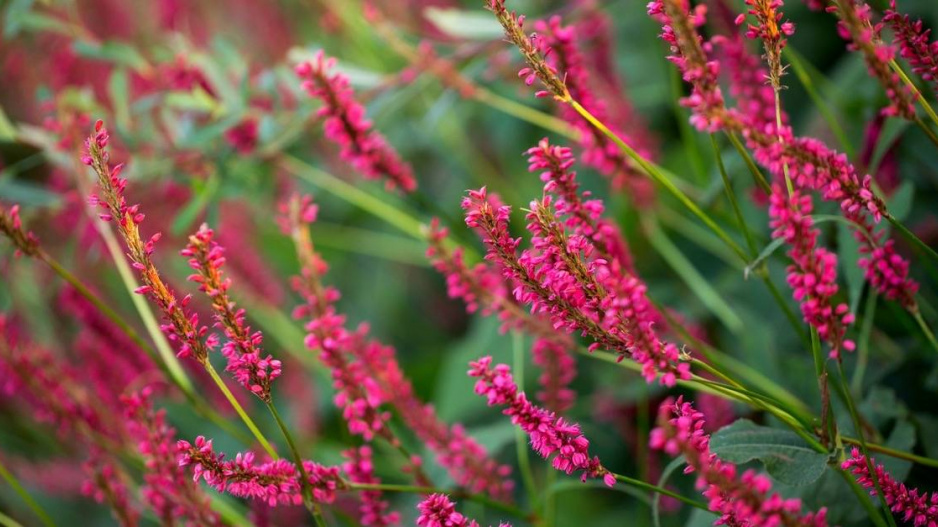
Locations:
(912, 505)
(345, 124)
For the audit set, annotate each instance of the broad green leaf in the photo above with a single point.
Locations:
(472, 25)
(786, 457)
(112, 51)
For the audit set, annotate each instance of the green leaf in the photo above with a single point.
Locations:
(786, 457)
(848, 254)
(901, 438)
(472, 25)
(112, 51)
(769, 249)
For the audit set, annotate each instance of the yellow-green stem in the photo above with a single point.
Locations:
(26, 497)
(265, 444)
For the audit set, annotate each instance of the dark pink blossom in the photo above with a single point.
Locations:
(813, 273)
(373, 510)
(916, 507)
(246, 360)
(345, 124)
(549, 435)
(912, 39)
(436, 510)
(243, 136)
(274, 482)
(739, 499)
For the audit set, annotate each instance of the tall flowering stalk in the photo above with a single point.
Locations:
(345, 124)
(739, 499)
(856, 26)
(913, 40)
(549, 435)
(246, 361)
(367, 376)
(181, 326)
(916, 507)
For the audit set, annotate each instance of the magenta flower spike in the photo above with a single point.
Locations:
(549, 435)
(915, 507)
(436, 510)
(345, 124)
(913, 40)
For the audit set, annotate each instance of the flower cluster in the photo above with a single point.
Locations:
(856, 27)
(912, 39)
(550, 435)
(438, 511)
(813, 273)
(772, 31)
(274, 482)
(373, 510)
(738, 499)
(914, 506)
(181, 325)
(242, 350)
(345, 124)
(168, 490)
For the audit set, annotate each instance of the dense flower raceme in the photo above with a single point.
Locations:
(345, 123)
(812, 275)
(107, 483)
(598, 150)
(739, 499)
(274, 482)
(810, 163)
(438, 511)
(367, 375)
(373, 510)
(549, 435)
(772, 31)
(168, 489)
(246, 361)
(181, 326)
(579, 295)
(912, 39)
(856, 27)
(918, 508)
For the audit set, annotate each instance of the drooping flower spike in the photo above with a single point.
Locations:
(345, 124)
(739, 499)
(438, 511)
(551, 437)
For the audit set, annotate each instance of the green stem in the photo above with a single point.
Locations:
(863, 497)
(26, 497)
(927, 129)
(731, 196)
(929, 334)
(659, 490)
(891, 452)
(6, 521)
(910, 236)
(521, 439)
(525, 113)
(918, 95)
(757, 175)
(311, 506)
(240, 411)
(660, 179)
(863, 342)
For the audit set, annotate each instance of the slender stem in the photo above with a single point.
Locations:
(660, 179)
(525, 113)
(918, 95)
(863, 342)
(241, 413)
(731, 196)
(757, 175)
(6, 521)
(26, 497)
(311, 506)
(929, 334)
(659, 490)
(863, 497)
(927, 129)
(909, 235)
(521, 441)
(891, 452)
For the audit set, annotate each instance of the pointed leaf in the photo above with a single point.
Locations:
(787, 457)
